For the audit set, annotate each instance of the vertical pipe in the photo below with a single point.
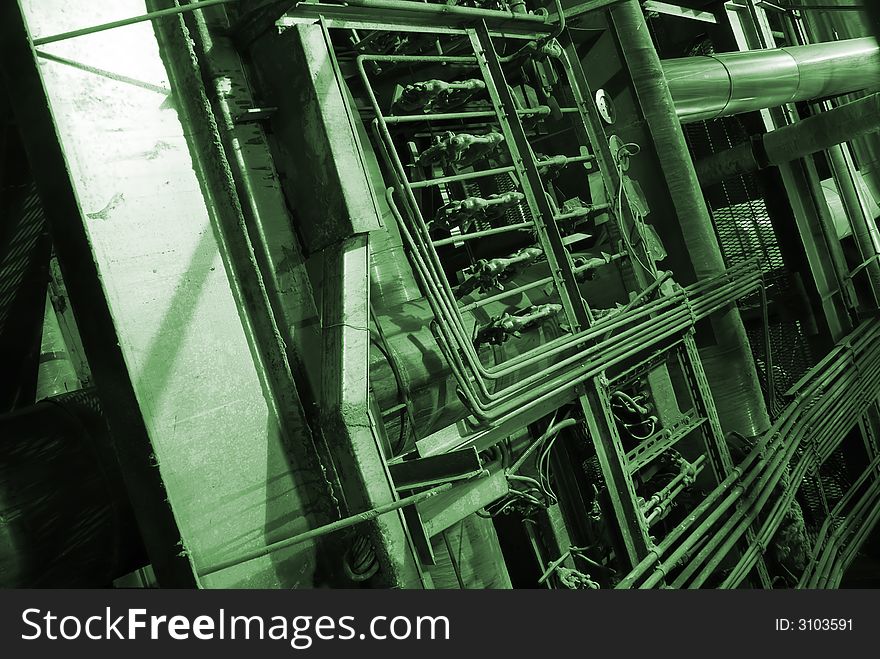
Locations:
(743, 409)
(863, 225)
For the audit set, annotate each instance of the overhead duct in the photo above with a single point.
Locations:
(712, 86)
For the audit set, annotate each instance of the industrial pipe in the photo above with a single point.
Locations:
(801, 414)
(712, 86)
(818, 26)
(732, 348)
(825, 543)
(824, 424)
(813, 134)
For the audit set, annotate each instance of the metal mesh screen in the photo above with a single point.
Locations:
(827, 489)
(745, 231)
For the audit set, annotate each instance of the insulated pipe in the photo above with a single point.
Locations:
(712, 86)
(813, 134)
(745, 410)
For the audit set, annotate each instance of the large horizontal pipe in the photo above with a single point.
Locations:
(711, 86)
(816, 133)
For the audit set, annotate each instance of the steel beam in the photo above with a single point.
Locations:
(677, 11)
(165, 297)
(345, 406)
(36, 94)
(313, 136)
(798, 140)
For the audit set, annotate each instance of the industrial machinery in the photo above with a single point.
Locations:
(576, 294)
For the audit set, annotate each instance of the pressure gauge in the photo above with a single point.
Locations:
(605, 106)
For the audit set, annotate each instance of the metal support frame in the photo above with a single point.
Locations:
(593, 393)
(594, 400)
(718, 451)
(218, 160)
(346, 405)
(101, 339)
(591, 132)
(282, 266)
(395, 14)
(446, 467)
(716, 446)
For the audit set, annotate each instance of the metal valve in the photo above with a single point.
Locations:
(461, 212)
(436, 95)
(585, 268)
(550, 167)
(575, 209)
(502, 328)
(488, 274)
(575, 579)
(460, 149)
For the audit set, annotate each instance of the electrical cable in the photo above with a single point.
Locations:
(618, 209)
